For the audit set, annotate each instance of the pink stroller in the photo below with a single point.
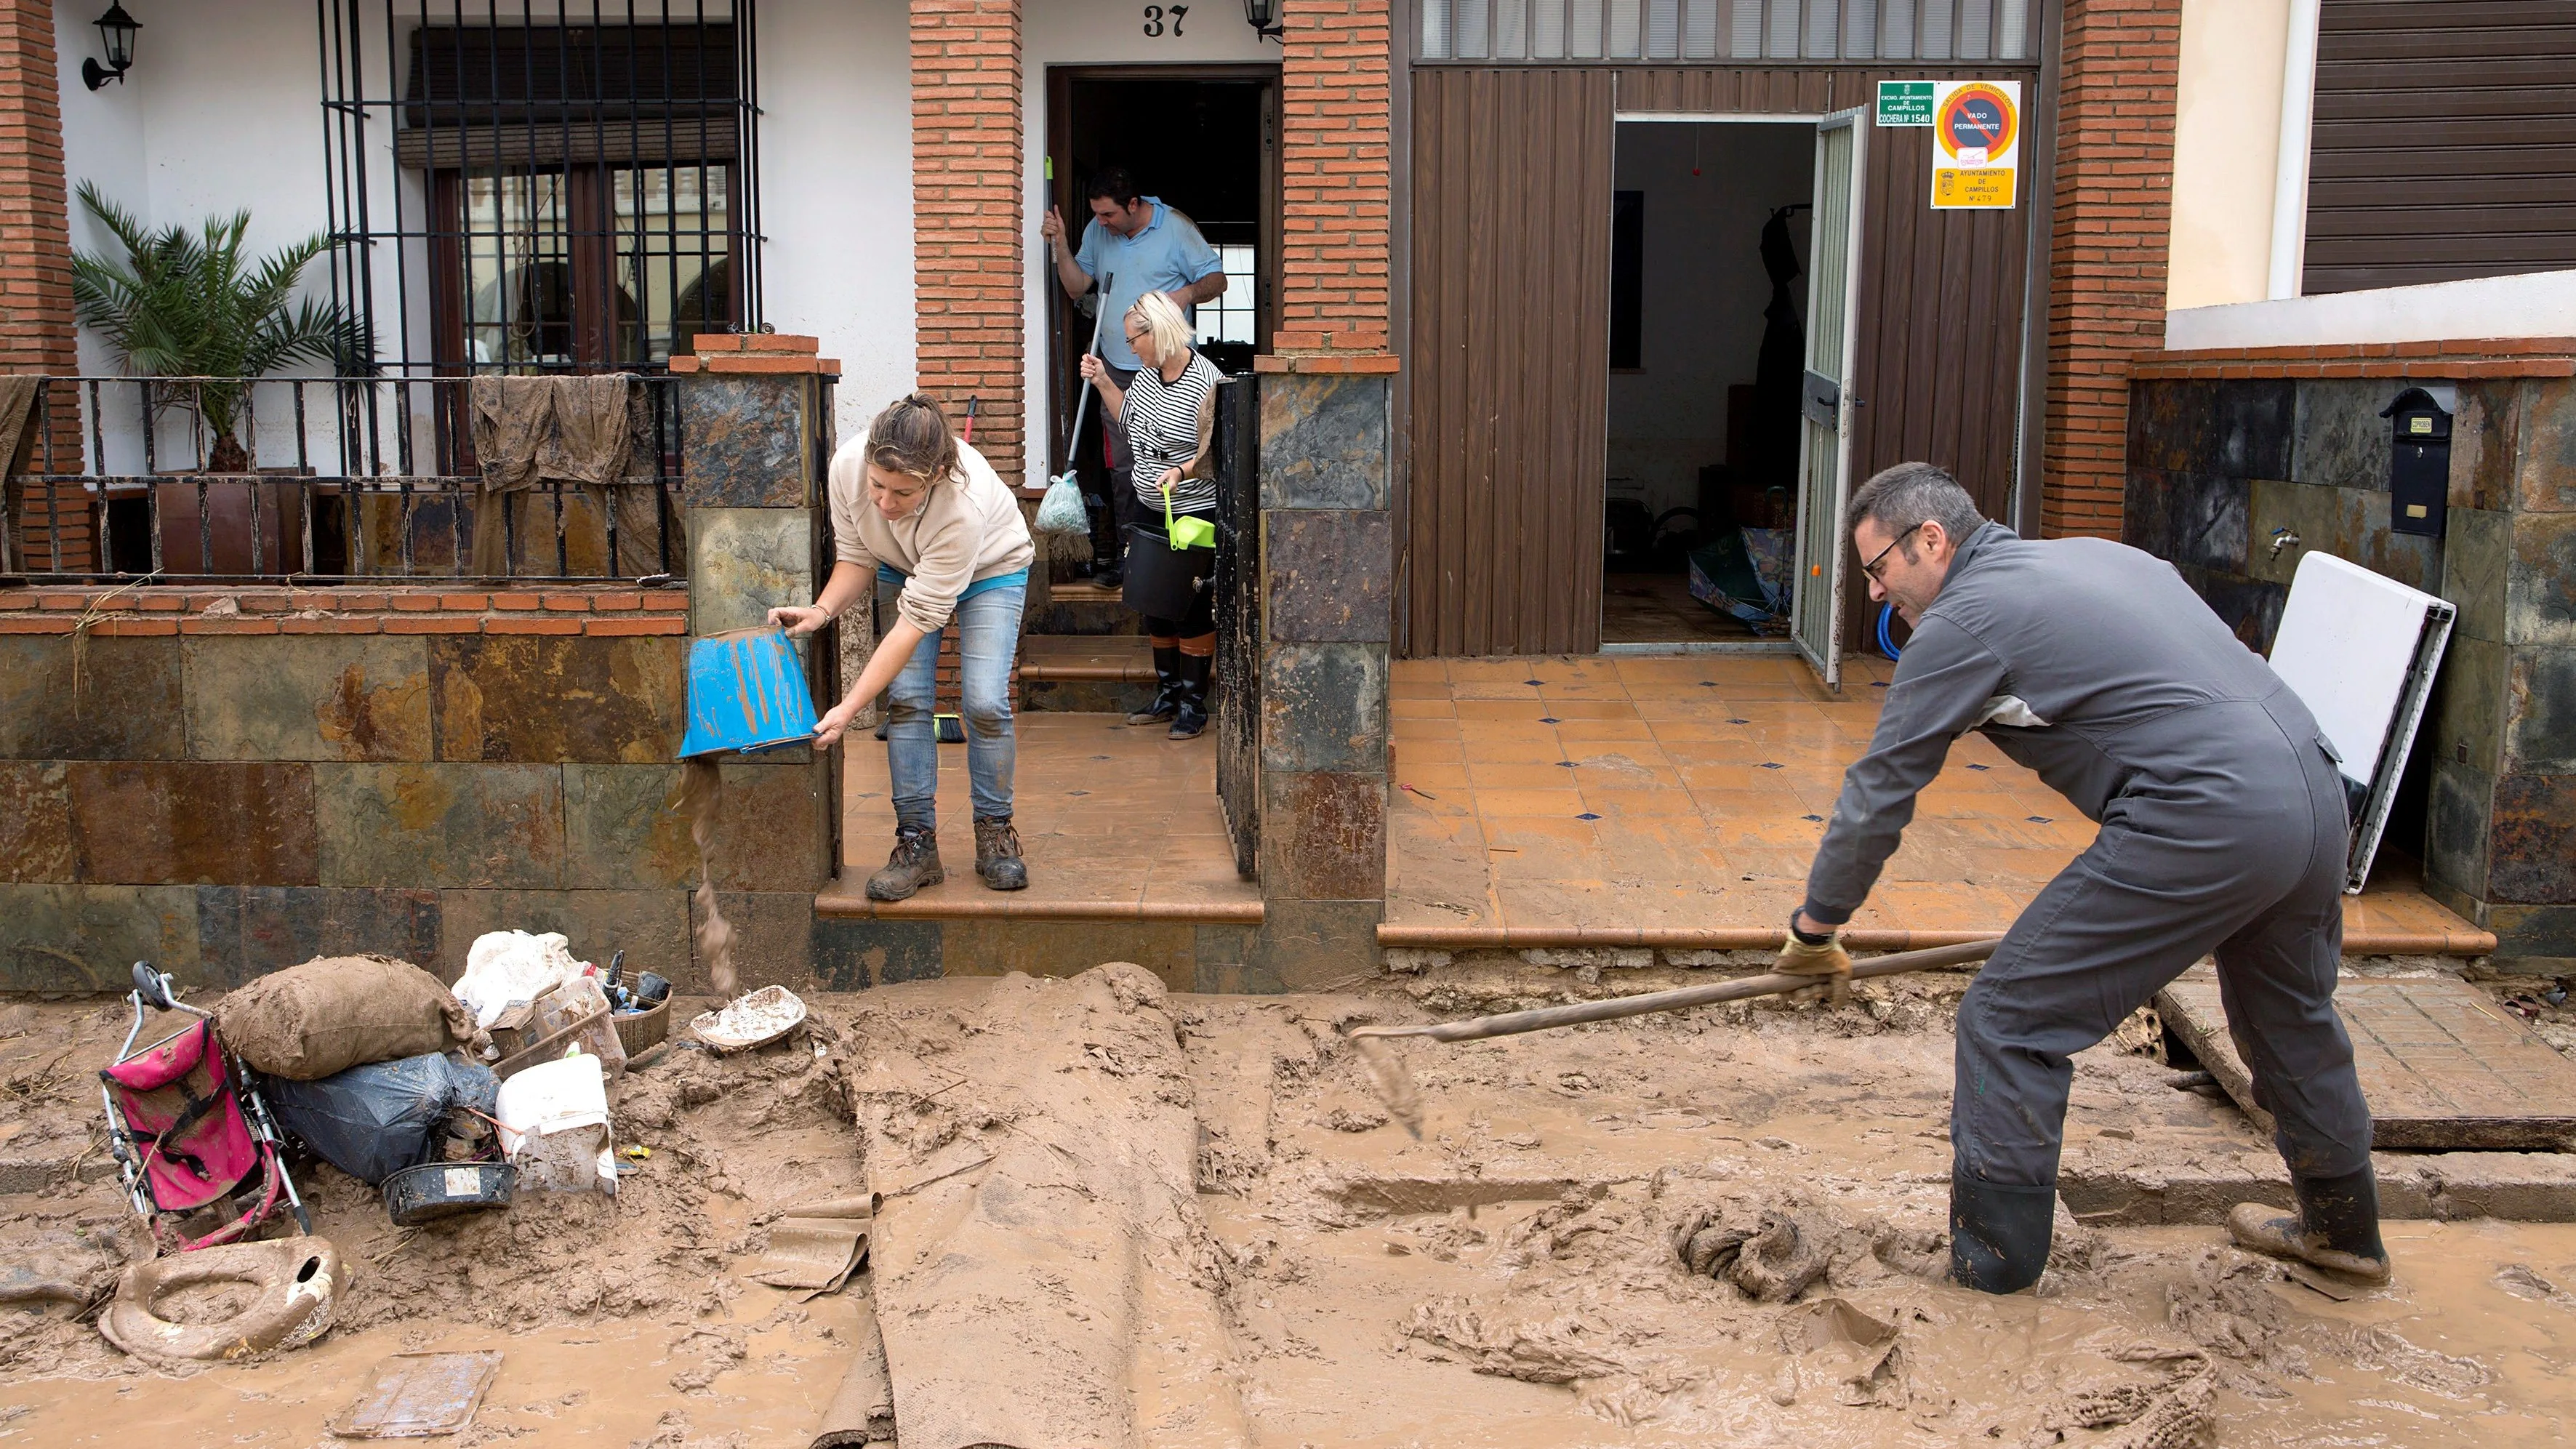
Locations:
(188, 1128)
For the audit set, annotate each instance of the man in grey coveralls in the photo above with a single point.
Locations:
(2223, 830)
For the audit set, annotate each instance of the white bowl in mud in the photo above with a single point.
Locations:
(756, 1019)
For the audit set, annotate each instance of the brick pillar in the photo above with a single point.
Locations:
(36, 263)
(967, 285)
(2107, 250)
(1325, 429)
(1334, 177)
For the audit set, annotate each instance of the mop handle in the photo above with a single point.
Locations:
(1099, 320)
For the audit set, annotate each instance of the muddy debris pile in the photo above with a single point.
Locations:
(711, 1148)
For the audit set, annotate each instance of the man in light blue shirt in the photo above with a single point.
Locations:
(1142, 245)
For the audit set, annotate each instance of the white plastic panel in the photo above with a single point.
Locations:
(2346, 642)
(2361, 651)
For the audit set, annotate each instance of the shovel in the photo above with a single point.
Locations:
(1395, 1088)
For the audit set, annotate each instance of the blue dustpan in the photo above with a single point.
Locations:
(747, 693)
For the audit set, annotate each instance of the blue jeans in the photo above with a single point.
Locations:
(988, 640)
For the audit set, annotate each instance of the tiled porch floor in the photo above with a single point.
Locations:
(1678, 800)
(1117, 824)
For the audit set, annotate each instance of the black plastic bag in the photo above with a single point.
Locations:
(373, 1121)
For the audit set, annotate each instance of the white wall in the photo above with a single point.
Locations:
(836, 190)
(1705, 290)
(2535, 304)
(1096, 32)
(220, 113)
(2227, 131)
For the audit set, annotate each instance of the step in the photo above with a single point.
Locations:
(1086, 673)
(1083, 608)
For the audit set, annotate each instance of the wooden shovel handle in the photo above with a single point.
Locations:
(1512, 1023)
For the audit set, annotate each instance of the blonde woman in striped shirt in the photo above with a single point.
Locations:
(1168, 413)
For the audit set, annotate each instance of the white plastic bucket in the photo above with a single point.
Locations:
(554, 1126)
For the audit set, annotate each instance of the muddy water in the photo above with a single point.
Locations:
(1454, 1291)
(606, 1385)
(2448, 1358)
(701, 803)
(1509, 1280)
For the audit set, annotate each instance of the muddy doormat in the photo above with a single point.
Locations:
(2444, 1068)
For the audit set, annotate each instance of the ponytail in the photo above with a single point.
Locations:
(911, 437)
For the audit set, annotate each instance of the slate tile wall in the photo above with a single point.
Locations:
(1326, 580)
(2215, 466)
(226, 782)
(409, 768)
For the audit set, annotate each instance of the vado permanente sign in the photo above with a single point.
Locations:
(1976, 144)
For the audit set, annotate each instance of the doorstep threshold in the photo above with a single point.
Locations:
(848, 901)
(1703, 646)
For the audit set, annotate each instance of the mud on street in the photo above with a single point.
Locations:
(1717, 1226)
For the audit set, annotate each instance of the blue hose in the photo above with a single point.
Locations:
(1886, 639)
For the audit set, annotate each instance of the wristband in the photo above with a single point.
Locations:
(1802, 937)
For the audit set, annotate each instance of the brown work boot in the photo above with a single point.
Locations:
(914, 864)
(997, 855)
(2260, 1228)
(2335, 1228)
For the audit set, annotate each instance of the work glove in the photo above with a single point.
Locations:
(1827, 961)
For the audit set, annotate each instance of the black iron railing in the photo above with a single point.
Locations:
(524, 184)
(1238, 619)
(317, 480)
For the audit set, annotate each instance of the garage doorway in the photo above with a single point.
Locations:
(1709, 256)
(1734, 301)
(1205, 140)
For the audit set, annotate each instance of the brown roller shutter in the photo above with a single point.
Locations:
(1510, 358)
(2444, 142)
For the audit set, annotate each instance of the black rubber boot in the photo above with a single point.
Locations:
(997, 855)
(1191, 715)
(2337, 1226)
(1167, 692)
(914, 864)
(1999, 1235)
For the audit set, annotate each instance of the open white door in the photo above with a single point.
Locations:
(1824, 455)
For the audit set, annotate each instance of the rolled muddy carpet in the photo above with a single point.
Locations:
(1032, 1158)
(863, 1411)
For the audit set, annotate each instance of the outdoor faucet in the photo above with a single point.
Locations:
(2283, 538)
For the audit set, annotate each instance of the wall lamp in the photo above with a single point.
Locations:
(1263, 17)
(117, 29)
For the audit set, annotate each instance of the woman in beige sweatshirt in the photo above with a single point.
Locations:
(926, 521)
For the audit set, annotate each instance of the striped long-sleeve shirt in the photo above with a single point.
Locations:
(1168, 426)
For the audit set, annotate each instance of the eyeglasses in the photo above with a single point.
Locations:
(1871, 568)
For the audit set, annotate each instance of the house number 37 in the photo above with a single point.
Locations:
(1157, 15)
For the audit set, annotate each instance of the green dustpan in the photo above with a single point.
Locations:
(1191, 532)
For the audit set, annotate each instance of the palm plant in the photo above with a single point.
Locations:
(192, 305)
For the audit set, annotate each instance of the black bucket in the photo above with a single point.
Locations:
(1164, 582)
(434, 1190)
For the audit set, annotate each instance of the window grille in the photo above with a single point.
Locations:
(540, 185)
(1799, 31)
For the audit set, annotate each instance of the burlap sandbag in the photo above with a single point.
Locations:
(321, 1018)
